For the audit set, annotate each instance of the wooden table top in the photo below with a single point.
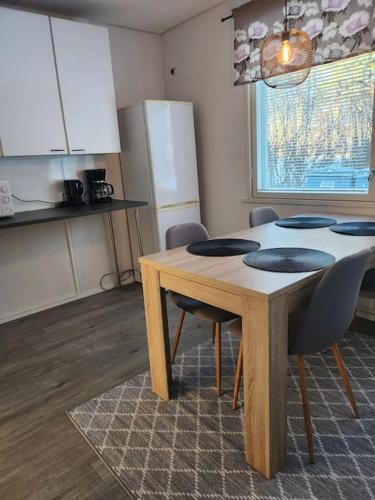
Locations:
(231, 273)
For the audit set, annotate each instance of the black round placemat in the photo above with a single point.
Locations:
(289, 260)
(223, 247)
(305, 222)
(355, 228)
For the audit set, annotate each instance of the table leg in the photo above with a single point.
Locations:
(265, 344)
(157, 331)
(114, 248)
(138, 229)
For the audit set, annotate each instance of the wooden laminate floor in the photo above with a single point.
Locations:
(53, 361)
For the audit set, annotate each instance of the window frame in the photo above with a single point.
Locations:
(343, 199)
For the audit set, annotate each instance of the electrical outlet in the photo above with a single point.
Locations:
(6, 201)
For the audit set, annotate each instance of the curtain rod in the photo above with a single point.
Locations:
(226, 18)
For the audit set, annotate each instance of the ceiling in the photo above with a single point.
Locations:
(156, 16)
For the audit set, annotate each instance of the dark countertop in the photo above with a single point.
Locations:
(61, 213)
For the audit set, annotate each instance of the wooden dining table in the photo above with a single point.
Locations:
(264, 300)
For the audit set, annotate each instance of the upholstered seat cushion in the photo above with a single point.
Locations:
(200, 309)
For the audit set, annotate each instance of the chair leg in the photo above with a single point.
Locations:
(238, 377)
(218, 357)
(306, 406)
(178, 334)
(345, 378)
(213, 333)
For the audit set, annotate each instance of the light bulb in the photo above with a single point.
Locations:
(285, 53)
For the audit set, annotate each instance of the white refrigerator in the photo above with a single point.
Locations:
(159, 165)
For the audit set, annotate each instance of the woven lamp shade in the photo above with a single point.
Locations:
(286, 58)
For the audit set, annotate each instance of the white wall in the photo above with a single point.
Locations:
(48, 264)
(137, 60)
(201, 51)
(36, 263)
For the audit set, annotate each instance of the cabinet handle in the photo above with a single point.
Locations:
(78, 150)
(57, 150)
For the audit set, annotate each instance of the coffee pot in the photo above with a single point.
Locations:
(99, 191)
(73, 193)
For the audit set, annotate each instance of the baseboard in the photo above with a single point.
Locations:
(60, 302)
(366, 308)
(366, 315)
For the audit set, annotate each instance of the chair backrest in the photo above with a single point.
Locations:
(332, 306)
(184, 234)
(262, 215)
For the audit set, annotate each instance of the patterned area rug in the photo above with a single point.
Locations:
(192, 446)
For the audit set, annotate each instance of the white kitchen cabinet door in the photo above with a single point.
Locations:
(84, 68)
(31, 120)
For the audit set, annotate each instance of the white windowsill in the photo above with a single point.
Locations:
(270, 200)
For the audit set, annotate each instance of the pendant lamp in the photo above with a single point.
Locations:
(286, 56)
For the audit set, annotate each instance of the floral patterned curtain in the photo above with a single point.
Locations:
(338, 29)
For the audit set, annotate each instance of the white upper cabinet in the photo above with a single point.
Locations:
(84, 68)
(31, 120)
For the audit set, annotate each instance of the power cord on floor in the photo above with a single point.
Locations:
(124, 276)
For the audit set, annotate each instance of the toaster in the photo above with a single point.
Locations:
(6, 202)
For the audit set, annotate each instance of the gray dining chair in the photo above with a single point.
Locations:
(262, 215)
(185, 234)
(318, 326)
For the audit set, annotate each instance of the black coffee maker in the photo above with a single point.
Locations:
(99, 191)
(73, 193)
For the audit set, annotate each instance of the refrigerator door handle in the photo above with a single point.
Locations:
(177, 206)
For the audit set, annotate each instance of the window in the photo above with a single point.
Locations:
(317, 137)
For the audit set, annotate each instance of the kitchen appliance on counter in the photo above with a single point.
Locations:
(73, 193)
(159, 165)
(6, 202)
(99, 191)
